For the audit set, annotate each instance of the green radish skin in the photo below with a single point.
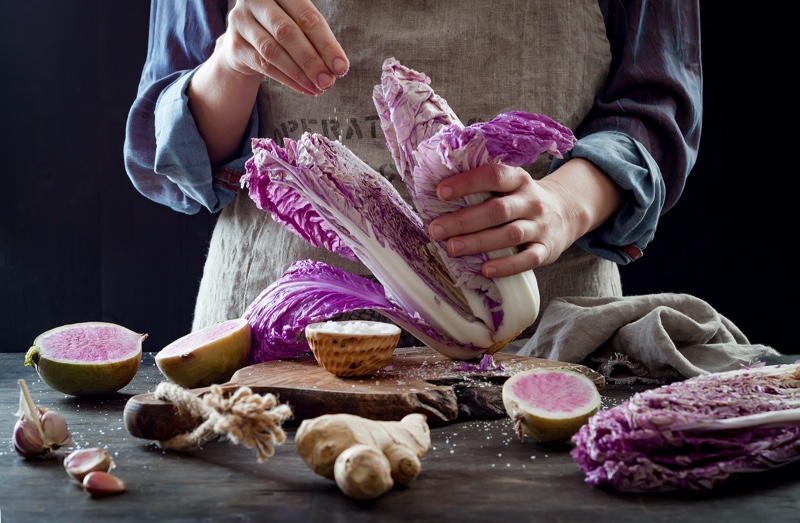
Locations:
(550, 405)
(87, 359)
(208, 356)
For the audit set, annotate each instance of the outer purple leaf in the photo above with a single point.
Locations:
(519, 138)
(287, 206)
(410, 112)
(307, 292)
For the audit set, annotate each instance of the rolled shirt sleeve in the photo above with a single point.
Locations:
(165, 156)
(181, 154)
(623, 237)
(644, 128)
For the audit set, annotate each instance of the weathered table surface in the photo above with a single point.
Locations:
(476, 471)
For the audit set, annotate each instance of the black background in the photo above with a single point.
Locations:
(78, 243)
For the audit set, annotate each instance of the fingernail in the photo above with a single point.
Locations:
(324, 81)
(445, 193)
(456, 246)
(339, 67)
(490, 272)
(437, 231)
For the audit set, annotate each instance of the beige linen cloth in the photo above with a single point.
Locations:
(654, 338)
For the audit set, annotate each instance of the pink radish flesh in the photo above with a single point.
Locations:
(202, 337)
(552, 392)
(100, 343)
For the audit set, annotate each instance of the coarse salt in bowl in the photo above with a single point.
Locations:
(352, 348)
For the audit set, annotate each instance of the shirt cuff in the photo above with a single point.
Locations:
(181, 153)
(624, 236)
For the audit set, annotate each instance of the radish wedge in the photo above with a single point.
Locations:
(207, 356)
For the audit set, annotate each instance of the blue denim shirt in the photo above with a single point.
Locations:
(643, 130)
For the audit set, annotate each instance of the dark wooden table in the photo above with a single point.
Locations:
(476, 471)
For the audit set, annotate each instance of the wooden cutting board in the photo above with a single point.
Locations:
(416, 379)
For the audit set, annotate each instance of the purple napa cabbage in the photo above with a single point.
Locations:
(321, 191)
(694, 434)
(308, 292)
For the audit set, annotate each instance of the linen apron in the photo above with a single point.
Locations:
(484, 57)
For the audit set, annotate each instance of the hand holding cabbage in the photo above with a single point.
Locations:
(543, 218)
(320, 190)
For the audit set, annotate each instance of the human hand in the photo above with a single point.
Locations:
(541, 218)
(286, 40)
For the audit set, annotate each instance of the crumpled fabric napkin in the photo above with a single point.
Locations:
(655, 338)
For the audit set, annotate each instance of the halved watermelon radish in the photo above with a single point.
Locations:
(207, 356)
(87, 359)
(550, 405)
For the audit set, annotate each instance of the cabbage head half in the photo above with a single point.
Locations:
(322, 191)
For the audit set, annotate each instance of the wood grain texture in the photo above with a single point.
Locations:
(416, 380)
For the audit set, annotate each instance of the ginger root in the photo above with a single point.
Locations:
(365, 457)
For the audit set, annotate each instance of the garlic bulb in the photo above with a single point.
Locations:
(39, 432)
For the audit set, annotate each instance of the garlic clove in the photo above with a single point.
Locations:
(81, 462)
(56, 434)
(27, 439)
(99, 483)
